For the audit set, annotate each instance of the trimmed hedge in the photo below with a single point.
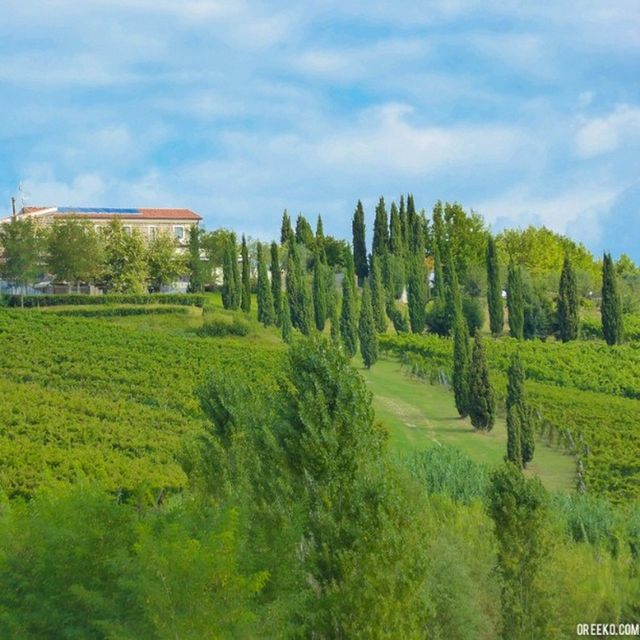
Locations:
(104, 311)
(46, 300)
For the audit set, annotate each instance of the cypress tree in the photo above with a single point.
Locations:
(298, 293)
(319, 293)
(514, 443)
(519, 416)
(515, 302)
(404, 227)
(246, 284)
(482, 403)
(366, 329)
(452, 295)
(411, 225)
(395, 232)
(378, 296)
(320, 241)
(237, 284)
(568, 308)
(266, 312)
(359, 244)
(335, 324)
(380, 230)
(611, 306)
(304, 233)
(438, 275)
(196, 266)
(228, 282)
(494, 291)
(348, 330)
(276, 283)
(286, 232)
(285, 314)
(461, 364)
(416, 294)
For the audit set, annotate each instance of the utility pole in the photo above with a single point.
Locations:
(13, 206)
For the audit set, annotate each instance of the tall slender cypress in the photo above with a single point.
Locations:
(335, 324)
(286, 230)
(378, 296)
(519, 416)
(417, 294)
(494, 290)
(411, 224)
(229, 300)
(611, 305)
(395, 231)
(235, 271)
(348, 326)
(366, 329)
(304, 233)
(453, 296)
(380, 230)
(438, 272)
(196, 266)
(319, 293)
(285, 315)
(404, 227)
(515, 301)
(461, 366)
(276, 283)
(482, 404)
(359, 244)
(320, 248)
(514, 440)
(246, 283)
(568, 306)
(266, 312)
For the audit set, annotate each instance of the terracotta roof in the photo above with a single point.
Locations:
(107, 213)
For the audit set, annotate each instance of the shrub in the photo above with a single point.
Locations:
(473, 314)
(108, 311)
(218, 328)
(186, 299)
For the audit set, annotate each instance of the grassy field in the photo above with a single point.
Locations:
(420, 415)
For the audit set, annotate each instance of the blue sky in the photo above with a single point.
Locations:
(525, 112)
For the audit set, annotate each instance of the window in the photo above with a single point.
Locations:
(127, 229)
(178, 233)
(153, 233)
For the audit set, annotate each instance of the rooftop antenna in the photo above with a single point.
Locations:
(24, 196)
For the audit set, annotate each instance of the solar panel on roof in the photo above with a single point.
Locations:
(97, 210)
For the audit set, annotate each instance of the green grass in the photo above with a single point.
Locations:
(419, 415)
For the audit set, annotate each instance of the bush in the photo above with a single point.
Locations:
(183, 299)
(436, 316)
(108, 311)
(218, 328)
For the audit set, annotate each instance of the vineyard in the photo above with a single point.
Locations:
(586, 394)
(84, 399)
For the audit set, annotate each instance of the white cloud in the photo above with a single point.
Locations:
(598, 136)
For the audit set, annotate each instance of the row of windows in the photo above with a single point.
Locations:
(152, 232)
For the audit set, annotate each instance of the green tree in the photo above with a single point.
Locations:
(452, 294)
(515, 302)
(461, 366)
(235, 271)
(380, 244)
(197, 268)
(568, 305)
(286, 232)
(74, 251)
(276, 282)
(438, 273)
(304, 232)
(396, 244)
(520, 431)
(348, 318)
(229, 266)
(22, 245)
(518, 508)
(125, 267)
(164, 263)
(514, 442)
(320, 241)
(378, 296)
(494, 290)
(482, 404)
(416, 294)
(246, 283)
(298, 294)
(366, 329)
(359, 244)
(611, 305)
(319, 292)
(266, 311)
(335, 324)
(285, 315)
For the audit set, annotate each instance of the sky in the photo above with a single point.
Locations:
(526, 112)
